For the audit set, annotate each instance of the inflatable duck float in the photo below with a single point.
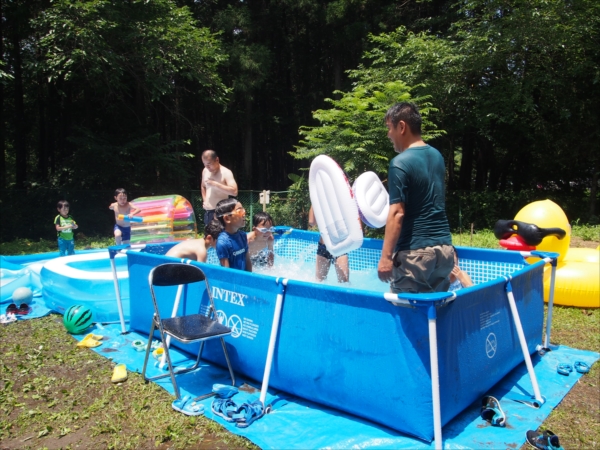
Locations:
(543, 226)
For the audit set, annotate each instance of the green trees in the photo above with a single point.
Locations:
(101, 97)
(513, 84)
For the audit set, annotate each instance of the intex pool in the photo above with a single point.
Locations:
(356, 351)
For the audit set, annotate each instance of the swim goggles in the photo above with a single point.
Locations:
(264, 230)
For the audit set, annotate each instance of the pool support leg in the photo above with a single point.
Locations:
(435, 377)
(112, 254)
(273, 339)
(554, 262)
(519, 327)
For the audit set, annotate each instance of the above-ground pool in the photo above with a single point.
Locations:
(353, 349)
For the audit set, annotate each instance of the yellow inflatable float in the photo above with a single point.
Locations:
(578, 269)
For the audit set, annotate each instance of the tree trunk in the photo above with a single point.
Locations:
(19, 119)
(594, 192)
(2, 137)
(248, 142)
(466, 164)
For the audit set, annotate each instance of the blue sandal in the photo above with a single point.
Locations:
(188, 407)
(224, 390)
(224, 408)
(581, 367)
(247, 413)
(546, 440)
(492, 412)
(564, 369)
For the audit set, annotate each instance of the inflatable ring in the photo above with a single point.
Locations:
(333, 203)
(372, 199)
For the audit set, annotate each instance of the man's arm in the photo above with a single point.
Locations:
(202, 187)
(393, 226)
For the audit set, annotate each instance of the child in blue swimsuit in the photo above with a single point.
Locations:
(260, 240)
(232, 243)
(122, 227)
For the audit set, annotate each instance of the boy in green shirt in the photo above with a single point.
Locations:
(64, 229)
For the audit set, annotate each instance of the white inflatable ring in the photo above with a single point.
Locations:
(334, 207)
(372, 199)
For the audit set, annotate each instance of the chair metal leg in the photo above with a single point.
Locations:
(228, 362)
(148, 349)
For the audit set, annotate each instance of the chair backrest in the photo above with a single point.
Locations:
(176, 274)
(173, 274)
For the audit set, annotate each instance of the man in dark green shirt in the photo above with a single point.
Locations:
(417, 253)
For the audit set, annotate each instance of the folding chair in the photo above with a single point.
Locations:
(184, 328)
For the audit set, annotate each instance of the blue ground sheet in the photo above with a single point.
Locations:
(297, 423)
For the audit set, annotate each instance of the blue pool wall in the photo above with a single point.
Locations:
(352, 350)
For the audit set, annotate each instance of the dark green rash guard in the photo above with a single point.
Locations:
(416, 178)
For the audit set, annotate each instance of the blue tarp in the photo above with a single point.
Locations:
(298, 423)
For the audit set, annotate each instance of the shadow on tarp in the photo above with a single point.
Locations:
(298, 423)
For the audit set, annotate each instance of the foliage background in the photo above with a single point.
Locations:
(96, 94)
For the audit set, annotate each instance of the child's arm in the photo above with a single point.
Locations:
(224, 262)
(312, 222)
(248, 262)
(462, 276)
(112, 206)
(133, 211)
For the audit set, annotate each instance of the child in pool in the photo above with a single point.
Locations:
(122, 227)
(458, 278)
(232, 243)
(326, 259)
(197, 249)
(260, 240)
(65, 224)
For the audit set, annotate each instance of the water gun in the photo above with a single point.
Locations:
(133, 219)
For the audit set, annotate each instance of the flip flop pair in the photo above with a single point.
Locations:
(566, 369)
(492, 411)
(22, 310)
(188, 406)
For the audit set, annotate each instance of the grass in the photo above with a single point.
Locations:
(54, 395)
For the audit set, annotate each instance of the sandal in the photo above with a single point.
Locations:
(248, 413)
(188, 407)
(24, 309)
(564, 369)
(492, 412)
(8, 318)
(581, 367)
(11, 309)
(224, 390)
(224, 408)
(546, 440)
(139, 345)
(119, 373)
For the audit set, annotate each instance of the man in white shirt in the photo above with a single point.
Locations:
(217, 184)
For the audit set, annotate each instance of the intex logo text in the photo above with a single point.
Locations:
(228, 296)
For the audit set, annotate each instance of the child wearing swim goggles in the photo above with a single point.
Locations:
(260, 240)
(232, 243)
